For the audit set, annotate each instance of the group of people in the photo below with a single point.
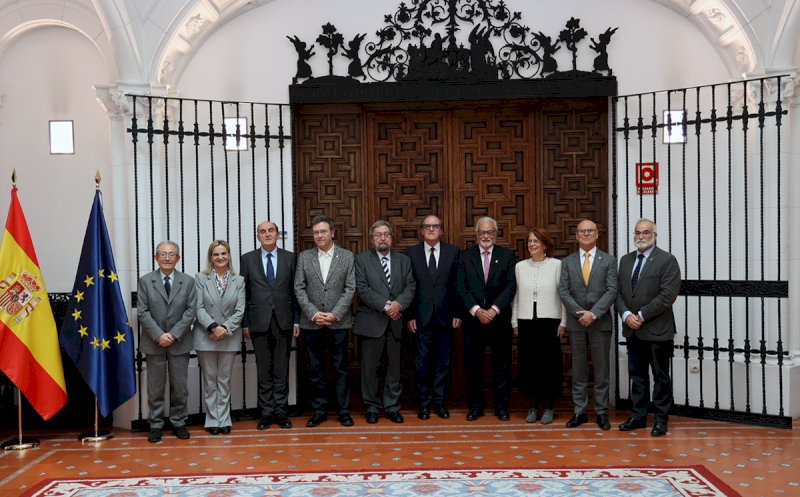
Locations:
(430, 291)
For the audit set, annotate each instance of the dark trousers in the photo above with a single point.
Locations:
(432, 344)
(371, 351)
(644, 355)
(539, 366)
(336, 343)
(272, 349)
(498, 337)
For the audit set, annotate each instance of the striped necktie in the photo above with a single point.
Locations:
(384, 263)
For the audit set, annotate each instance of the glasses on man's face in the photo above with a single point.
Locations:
(432, 227)
(321, 232)
(588, 231)
(644, 233)
(168, 255)
(487, 232)
(379, 236)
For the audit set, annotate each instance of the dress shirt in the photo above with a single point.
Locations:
(592, 253)
(274, 259)
(171, 277)
(646, 255)
(436, 253)
(482, 250)
(325, 259)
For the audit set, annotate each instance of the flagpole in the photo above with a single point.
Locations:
(21, 443)
(98, 435)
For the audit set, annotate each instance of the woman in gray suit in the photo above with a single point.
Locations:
(220, 301)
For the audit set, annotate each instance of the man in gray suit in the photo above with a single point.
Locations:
(649, 282)
(588, 288)
(385, 286)
(270, 320)
(166, 308)
(324, 285)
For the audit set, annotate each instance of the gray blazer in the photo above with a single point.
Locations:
(374, 291)
(596, 297)
(159, 313)
(227, 311)
(335, 295)
(656, 291)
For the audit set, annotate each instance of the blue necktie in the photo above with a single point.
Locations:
(270, 271)
(635, 277)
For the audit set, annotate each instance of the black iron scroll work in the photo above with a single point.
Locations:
(408, 49)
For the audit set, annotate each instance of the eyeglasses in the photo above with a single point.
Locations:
(431, 226)
(321, 232)
(534, 242)
(642, 233)
(586, 231)
(168, 255)
(487, 232)
(378, 236)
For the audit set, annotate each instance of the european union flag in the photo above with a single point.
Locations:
(96, 333)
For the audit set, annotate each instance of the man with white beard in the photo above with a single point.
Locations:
(649, 282)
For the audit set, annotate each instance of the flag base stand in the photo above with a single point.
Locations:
(20, 444)
(96, 436)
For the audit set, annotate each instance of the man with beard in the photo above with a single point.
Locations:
(385, 287)
(650, 280)
(486, 284)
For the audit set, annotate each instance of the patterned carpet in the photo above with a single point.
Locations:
(693, 481)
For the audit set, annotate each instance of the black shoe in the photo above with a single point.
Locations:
(225, 430)
(659, 429)
(474, 414)
(154, 436)
(424, 413)
(372, 417)
(213, 430)
(346, 420)
(317, 419)
(602, 422)
(503, 415)
(577, 420)
(283, 422)
(441, 411)
(395, 417)
(181, 432)
(264, 424)
(632, 424)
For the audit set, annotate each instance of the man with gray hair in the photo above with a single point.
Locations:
(486, 284)
(385, 286)
(166, 308)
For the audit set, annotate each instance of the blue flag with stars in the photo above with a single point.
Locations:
(96, 333)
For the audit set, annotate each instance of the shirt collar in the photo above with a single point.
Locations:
(381, 256)
(322, 253)
(481, 250)
(646, 253)
(592, 252)
(264, 252)
(438, 247)
(171, 275)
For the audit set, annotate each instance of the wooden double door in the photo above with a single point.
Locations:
(532, 163)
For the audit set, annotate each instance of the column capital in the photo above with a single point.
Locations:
(116, 100)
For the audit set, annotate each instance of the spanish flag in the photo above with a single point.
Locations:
(29, 352)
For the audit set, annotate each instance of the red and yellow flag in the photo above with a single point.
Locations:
(29, 352)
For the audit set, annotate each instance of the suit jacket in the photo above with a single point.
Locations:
(335, 295)
(435, 297)
(374, 291)
(227, 312)
(160, 313)
(597, 296)
(656, 291)
(499, 290)
(262, 299)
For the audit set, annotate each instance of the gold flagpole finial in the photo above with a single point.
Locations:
(14, 177)
(97, 179)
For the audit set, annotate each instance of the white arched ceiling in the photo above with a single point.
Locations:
(24, 16)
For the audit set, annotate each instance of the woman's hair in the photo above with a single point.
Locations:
(543, 236)
(210, 264)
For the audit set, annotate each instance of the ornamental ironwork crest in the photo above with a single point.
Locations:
(451, 40)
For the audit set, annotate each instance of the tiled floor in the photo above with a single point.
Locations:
(754, 461)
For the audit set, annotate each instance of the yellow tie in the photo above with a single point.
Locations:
(586, 268)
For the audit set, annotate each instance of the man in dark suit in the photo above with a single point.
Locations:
(588, 288)
(649, 282)
(270, 320)
(324, 285)
(385, 287)
(166, 308)
(434, 315)
(486, 284)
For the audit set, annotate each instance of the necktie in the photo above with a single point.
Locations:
(167, 285)
(635, 277)
(432, 261)
(384, 263)
(485, 265)
(270, 271)
(586, 268)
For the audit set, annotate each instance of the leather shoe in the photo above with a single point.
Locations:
(372, 417)
(602, 422)
(577, 420)
(154, 436)
(225, 430)
(441, 411)
(632, 424)
(264, 424)
(474, 414)
(346, 420)
(503, 415)
(283, 422)
(395, 417)
(181, 432)
(317, 419)
(213, 430)
(424, 413)
(659, 429)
